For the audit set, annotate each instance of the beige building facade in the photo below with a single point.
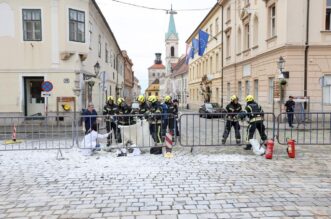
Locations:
(256, 33)
(61, 42)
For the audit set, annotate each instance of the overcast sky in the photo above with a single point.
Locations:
(141, 32)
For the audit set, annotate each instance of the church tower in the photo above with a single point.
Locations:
(171, 43)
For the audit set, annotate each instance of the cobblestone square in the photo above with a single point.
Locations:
(224, 182)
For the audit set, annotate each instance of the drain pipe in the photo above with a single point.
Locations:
(222, 62)
(306, 53)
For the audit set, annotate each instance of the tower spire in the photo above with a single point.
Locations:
(172, 26)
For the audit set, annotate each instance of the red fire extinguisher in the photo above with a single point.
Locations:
(291, 148)
(270, 149)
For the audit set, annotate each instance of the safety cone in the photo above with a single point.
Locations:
(13, 137)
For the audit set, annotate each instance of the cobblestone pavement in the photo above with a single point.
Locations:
(224, 182)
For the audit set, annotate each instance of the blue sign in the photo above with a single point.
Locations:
(47, 86)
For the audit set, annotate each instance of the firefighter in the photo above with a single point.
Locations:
(233, 108)
(143, 106)
(110, 110)
(124, 109)
(172, 113)
(155, 119)
(255, 114)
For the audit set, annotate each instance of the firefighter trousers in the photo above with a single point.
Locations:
(155, 131)
(117, 132)
(251, 130)
(228, 127)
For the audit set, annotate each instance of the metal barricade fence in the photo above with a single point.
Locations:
(197, 129)
(312, 129)
(36, 133)
(128, 131)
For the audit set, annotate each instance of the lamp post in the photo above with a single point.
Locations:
(281, 65)
(97, 69)
(282, 81)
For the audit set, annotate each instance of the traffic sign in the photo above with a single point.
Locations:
(47, 86)
(45, 94)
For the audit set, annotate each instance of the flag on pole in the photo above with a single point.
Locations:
(203, 39)
(188, 53)
(195, 44)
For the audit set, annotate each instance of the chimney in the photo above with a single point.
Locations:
(158, 58)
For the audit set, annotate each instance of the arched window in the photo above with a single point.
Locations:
(172, 51)
(255, 31)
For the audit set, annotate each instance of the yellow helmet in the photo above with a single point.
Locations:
(110, 98)
(120, 101)
(152, 99)
(167, 98)
(249, 98)
(233, 98)
(66, 107)
(141, 99)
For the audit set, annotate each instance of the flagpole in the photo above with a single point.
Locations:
(222, 62)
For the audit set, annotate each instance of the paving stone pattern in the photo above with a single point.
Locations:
(224, 182)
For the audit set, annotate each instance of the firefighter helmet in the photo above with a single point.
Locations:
(249, 98)
(167, 99)
(110, 98)
(120, 101)
(233, 98)
(141, 99)
(152, 99)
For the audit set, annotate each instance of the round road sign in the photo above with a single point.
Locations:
(47, 86)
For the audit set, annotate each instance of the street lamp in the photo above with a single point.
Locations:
(97, 69)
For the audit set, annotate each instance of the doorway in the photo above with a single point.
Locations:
(34, 103)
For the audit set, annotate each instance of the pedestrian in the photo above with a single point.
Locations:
(176, 111)
(290, 104)
(110, 110)
(89, 143)
(155, 119)
(232, 120)
(165, 118)
(90, 117)
(172, 113)
(255, 114)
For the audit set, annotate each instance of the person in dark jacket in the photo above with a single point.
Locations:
(155, 119)
(110, 110)
(255, 114)
(90, 117)
(124, 109)
(143, 106)
(233, 108)
(290, 104)
(175, 102)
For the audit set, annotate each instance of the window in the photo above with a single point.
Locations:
(228, 46)
(172, 51)
(217, 95)
(99, 44)
(211, 31)
(327, 89)
(106, 53)
(211, 65)
(239, 41)
(153, 74)
(228, 13)
(76, 25)
(256, 89)
(109, 89)
(247, 36)
(156, 94)
(113, 75)
(240, 92)
(216, 26)
(91, 32)
(271, 90)
(256, 32)
(149, 93)
(247, 87)
(328, 15)
(217, 63)
(272, 15)
(31, 24)
(228, 90)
